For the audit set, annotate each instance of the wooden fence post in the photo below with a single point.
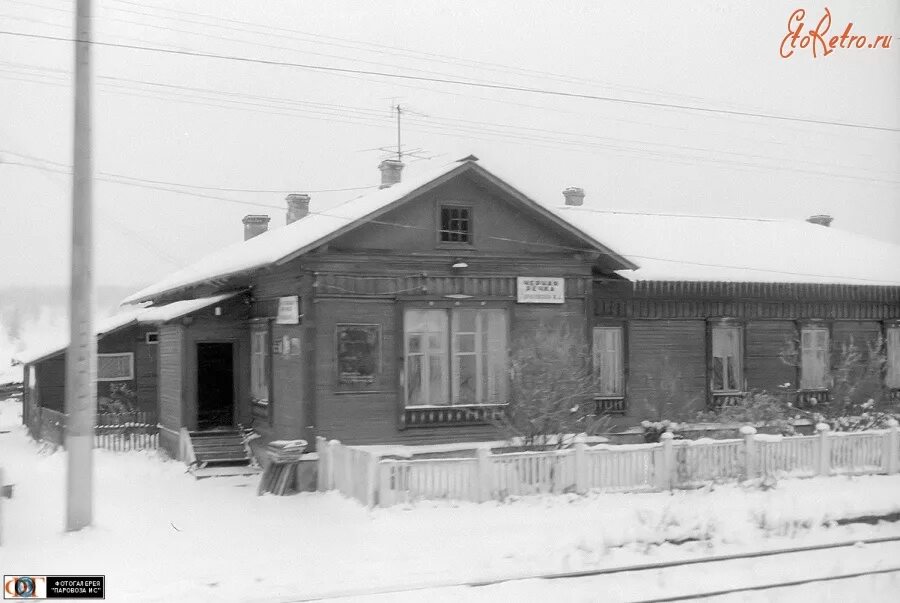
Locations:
(334, 471)
(384, 483)
(322, 464)
(484, 473)
(891, 455)
(751, 463)
(581, 468)
(664, 477)
(371, 480)
(824, 449)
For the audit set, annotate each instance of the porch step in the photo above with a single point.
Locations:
(219, 449)
(226, 471)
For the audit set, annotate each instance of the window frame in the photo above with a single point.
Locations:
(439, 230)
(448, 345)
(622, 360)
(261, 328)
(342, 385)
(892, 369)
(151, 337)
(130, 356)
(815, 326)
(739, 364)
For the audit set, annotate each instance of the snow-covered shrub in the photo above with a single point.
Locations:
(551, 389)
(653, 430)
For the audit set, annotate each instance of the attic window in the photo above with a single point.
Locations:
(456, 224)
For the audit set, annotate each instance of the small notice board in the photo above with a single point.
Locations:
(288, 310)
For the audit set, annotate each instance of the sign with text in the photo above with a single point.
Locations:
(54, 587)
(540, 290)
(288, 310)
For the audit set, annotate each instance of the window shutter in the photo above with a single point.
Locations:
(607, 359)
(892, 379)
(814, 359)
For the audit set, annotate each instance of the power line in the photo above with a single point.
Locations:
(457, 82)
(178, 184)
(507, 132)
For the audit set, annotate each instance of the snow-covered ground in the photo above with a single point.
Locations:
(161, 535)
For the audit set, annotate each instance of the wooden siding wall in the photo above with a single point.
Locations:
(51, 372)
(146, 370)
(289, 383)
(291, 388)
(343, 412)
(51, 382)
(171, 385)
(372, 416)
(666, 368)
(765, 341)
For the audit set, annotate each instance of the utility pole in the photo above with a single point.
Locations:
(81, 389)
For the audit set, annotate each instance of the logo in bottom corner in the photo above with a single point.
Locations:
(24, 587)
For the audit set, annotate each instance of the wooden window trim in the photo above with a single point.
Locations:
(620, 395)
(153, 335)
(892, 388)
(130, 356)
(815, 324)
(262, 408)
(740, 327)
(447, 307)
(470, 244)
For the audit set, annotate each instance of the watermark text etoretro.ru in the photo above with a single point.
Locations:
(816, 39)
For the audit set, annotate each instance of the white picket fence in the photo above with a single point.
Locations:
(361, 475)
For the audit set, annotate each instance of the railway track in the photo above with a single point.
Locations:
(644, 567)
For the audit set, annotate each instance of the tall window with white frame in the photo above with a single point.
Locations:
(259, 365)
(609, 361)
(455, 356)
(892, 370)
(814, 353)
(727, 359)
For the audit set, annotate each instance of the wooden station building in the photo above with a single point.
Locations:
(391, 318)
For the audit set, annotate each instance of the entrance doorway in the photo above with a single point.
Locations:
(215, 385)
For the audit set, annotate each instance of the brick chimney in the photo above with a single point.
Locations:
(820, 219)
(390, 172)
(255, 224)
(297, 206)
(574, 196)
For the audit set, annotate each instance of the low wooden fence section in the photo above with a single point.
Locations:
(669, 464)
(119, 431)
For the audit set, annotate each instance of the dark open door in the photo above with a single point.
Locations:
(215, 385)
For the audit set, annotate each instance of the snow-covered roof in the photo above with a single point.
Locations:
(317, 228)
(274, 245)
(675, 247)
(653, 247)
(126, 318)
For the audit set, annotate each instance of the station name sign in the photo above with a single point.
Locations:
(540, 290)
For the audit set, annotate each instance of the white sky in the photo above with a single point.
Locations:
(708, 53)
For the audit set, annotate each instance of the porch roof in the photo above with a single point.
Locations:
(127, 317)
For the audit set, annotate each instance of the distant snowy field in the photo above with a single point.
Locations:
(161, 535)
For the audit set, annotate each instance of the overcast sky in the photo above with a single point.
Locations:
(226, 124)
